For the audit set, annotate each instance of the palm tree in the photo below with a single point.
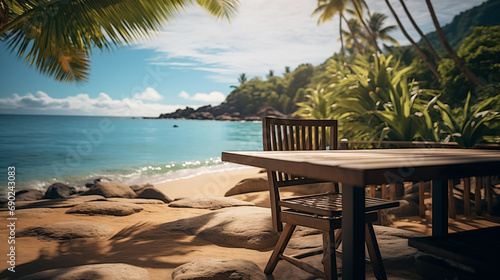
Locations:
(327, 9)
(417, 48)
(358, 7)
(449, 50)
(351, 37)
(376, 24)
(422, 35)
(57, 36)
(242, 79)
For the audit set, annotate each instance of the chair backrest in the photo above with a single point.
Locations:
(294, 135)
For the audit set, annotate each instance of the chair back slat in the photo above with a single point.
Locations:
(296, 135)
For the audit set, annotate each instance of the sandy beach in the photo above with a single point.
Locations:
(140, 239)
(137, 239)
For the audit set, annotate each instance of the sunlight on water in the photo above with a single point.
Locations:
(76, 150)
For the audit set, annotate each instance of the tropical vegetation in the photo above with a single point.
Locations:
(397, 94)
(39, 33)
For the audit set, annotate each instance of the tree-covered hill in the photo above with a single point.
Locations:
(459, 28)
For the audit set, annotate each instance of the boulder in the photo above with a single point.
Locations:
(225, 117)
(153, 193)
(246, 226)
(106, 271)
(216, 269)
(59, 190)
(29, 195)
(95, 181)
(268, 111)
(68, 230)
(105, 208)
(111, 189)
(135, 200)
(255, 184)
(138, 188)
(405, 209)
(212, 203)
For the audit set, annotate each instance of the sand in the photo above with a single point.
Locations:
(138, 239)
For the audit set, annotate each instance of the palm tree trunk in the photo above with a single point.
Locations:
(417, 48)
(422, 35)
(449, 50)
(357, 45)
(342, 50)
(370, 33)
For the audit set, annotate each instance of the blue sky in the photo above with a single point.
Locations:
(195, 59)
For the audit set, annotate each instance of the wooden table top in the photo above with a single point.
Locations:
(375, 166)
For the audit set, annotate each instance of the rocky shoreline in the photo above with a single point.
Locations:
(222, 112)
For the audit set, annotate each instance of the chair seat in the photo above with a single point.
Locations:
(330, 204)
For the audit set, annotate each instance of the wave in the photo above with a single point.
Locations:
(139, 175)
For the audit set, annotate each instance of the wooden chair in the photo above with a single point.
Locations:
(319, 211)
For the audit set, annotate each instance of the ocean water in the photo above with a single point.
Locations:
(78, 149)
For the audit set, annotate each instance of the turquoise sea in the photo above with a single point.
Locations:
(78, 149)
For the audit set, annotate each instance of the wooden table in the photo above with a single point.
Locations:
(357, 168)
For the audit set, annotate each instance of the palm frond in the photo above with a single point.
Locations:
(43, 33)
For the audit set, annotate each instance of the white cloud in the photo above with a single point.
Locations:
(263, 35)
(149, 94)
(213, 97)
(82, 104)
(271, 34)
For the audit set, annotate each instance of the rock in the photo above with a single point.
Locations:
(246, 226)
(405, 209)
(95, 181)
(135, 200)
(224, 117)
(68, 230)
(201, 116)
(226, 111)
(153, 193)
(412, 197)
(212, 203)
(393, 244)
(59, 190)
(216, 269)
(255, 184)
(138, 188)
(269, 111)
(29, 195)
(58, 203)
(105, 208)
(111, 189)
(106, 271)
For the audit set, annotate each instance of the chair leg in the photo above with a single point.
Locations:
(329, 259)
(279, 248)
(374, 252)
(338, 238)
(421, 197)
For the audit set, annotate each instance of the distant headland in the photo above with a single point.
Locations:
(222, 112)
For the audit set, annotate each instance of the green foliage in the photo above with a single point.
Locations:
(459, 28)
(473, 125)
(57, 36)
(317, 106)
(481, 53)
(373, 101)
